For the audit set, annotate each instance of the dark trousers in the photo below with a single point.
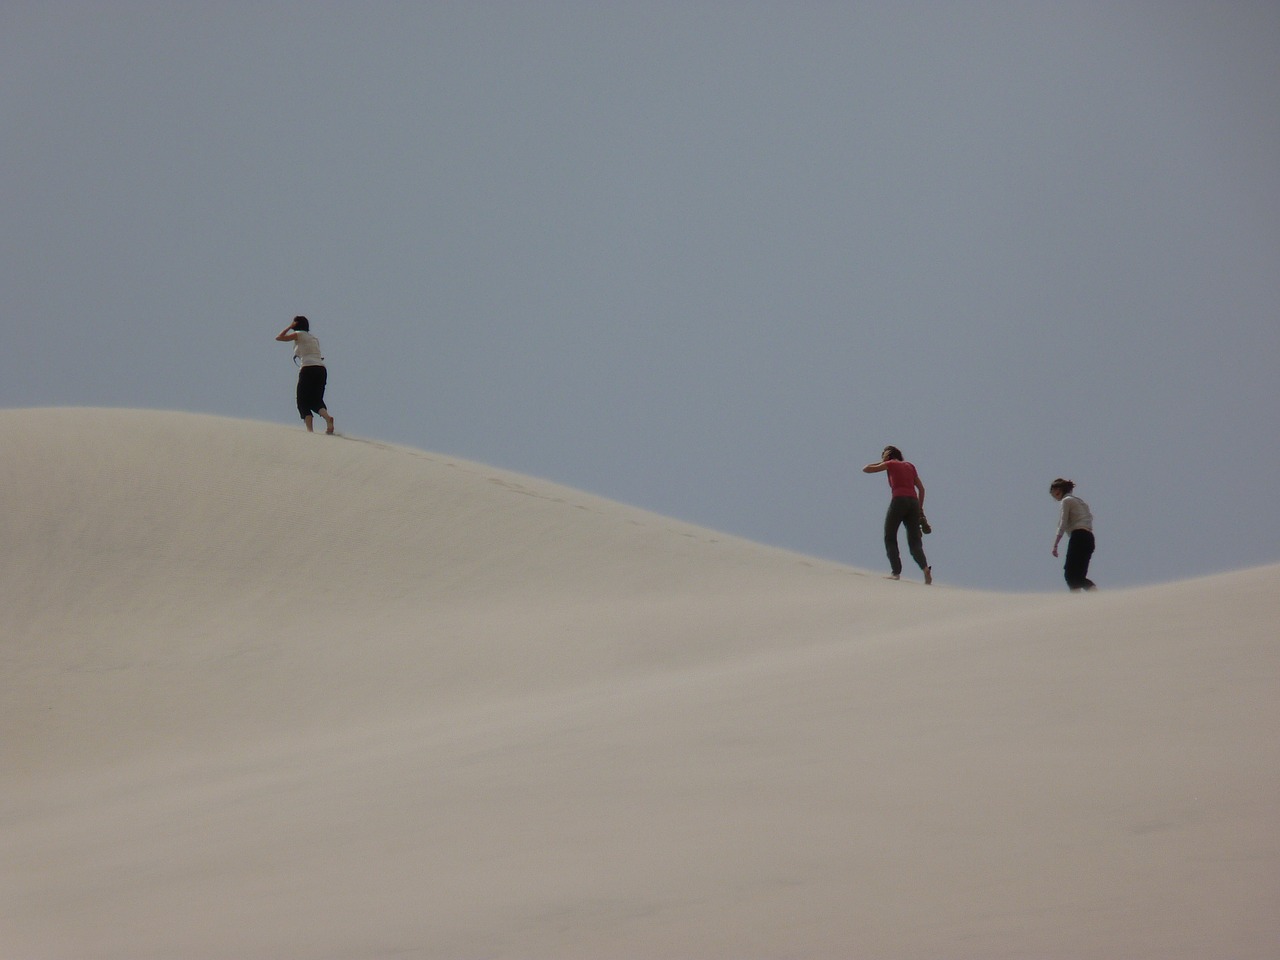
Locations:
(1075, 569)
(311, 383)
(903, 510)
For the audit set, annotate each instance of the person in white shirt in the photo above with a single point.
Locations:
(312, 373)
(1076, 521)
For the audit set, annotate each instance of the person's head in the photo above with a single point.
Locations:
(891, 453)
(1060, 488)
(301, 323)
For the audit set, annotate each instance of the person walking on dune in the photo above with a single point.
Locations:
(1076, 521)
(906, 507)
(312, 373)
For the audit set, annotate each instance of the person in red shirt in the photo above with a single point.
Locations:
(905, 507)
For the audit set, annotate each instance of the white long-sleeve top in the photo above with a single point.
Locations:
(1075, 515)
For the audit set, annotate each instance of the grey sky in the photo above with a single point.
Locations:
(704, 258)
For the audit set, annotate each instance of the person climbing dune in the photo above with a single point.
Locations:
(313, 375)
(906, 508)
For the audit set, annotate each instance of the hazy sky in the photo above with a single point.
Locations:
(706, 258)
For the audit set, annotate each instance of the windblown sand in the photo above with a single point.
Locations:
(275, 695)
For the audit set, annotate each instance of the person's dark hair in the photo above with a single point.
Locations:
(301, 323)
(892, 453)
(1066, 486)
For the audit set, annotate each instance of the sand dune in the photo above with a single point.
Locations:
(275, 695)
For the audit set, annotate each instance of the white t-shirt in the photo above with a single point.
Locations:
(307, 349)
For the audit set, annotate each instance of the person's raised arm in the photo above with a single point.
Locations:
(876, 467)
(288, 333)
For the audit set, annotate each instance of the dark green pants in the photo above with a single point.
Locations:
(903, 510)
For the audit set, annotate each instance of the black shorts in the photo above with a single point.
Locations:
(311, 382)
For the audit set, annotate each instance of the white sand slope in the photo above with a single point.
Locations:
(275, 695)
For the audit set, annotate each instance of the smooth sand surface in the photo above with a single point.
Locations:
(269, 694)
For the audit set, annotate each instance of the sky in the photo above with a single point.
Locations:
(705, 258)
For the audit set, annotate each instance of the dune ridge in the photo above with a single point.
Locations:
(270, 694)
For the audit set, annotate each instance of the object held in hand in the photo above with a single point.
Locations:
(924, 524)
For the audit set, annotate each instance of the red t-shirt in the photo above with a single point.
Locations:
(902, 478)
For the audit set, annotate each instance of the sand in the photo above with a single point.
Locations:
(270, 694)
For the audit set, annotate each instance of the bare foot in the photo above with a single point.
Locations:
(893, 576)
(928, 575)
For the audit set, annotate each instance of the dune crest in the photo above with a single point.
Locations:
(271, 694)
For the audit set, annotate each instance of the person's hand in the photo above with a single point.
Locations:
(1055, 549)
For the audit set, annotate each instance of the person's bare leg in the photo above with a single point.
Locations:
(307, 421)
(928, 575)
(327, 419)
